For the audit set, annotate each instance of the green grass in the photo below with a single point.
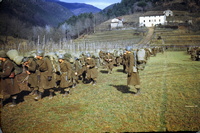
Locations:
(169, 102)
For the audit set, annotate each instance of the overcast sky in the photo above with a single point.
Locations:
(101, 4)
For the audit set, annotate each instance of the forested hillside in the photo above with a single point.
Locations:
(78, 8)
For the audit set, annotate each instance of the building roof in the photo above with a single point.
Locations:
(153, 13)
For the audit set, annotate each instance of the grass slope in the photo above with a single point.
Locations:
(169, 102)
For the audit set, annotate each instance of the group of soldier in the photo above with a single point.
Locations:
(50, 72)
(194, 52)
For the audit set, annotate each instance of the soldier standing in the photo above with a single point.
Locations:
(133, 74)
(110, 62)
(91, 70)
(31, 67)
(124, 62)
(45, 75)
(8, 84)
(66, 75)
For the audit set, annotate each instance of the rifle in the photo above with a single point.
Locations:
(26, 78)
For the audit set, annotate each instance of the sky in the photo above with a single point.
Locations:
(101, 4)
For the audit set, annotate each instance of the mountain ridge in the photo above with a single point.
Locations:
(77, 8)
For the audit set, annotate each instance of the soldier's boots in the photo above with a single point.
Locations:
(109, 71)
(51, 95)
(13, 102)
(39, 96)
(94, 82)
(138, 91)
(66, 94)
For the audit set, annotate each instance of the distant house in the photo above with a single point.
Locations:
(116, 23)
(151, 19)
(168, 13)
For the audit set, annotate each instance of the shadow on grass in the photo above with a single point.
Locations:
(104, 71)
(20, 97)
(123, 88)
(120, 70)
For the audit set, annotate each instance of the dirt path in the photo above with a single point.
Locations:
(148, 37)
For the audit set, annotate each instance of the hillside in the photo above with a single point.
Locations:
(78, 8)
(34, 12)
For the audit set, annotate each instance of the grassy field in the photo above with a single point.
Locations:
(169, 102)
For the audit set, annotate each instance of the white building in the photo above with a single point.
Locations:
(168, 13)
(116, 23)
(151, 19)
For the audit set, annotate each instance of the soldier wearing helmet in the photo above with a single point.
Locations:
(109, 59)
(9, 86)
(91, 70)
(133, 74)
(31, 66)
(66, 75)
(45, 74)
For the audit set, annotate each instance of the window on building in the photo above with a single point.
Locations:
(144, 20)
(154, 20)
(159, 20)
(149, 20)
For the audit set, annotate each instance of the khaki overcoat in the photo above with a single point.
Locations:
(91, 71)
(32, 67)
(45, 70)
(133, 77)
(66, 74)
(8, 84)
(109, 59)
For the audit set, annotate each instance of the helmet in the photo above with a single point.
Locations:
(88, 55)
(61, 56)
(128, 48)
(40, 53)
(25, 59)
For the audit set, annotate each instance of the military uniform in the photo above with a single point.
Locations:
(66, 75)
(124, 62)
(45, 75)
(109, 59)
(91, 70)
(31, 67)
(8, 81)
(133, 74)
(9, 86)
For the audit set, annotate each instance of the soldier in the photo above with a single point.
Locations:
(119, 60)
(91, 70)
(101, 56)
(45, 75)
(154, 51)
(133, 74)
(77, 68)
(193, 54)
(66, 75)
(31, 67)
(148, 54)
(124, 62)
(82, 72)
(8, 84)
(198, 54)
(109, 62)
